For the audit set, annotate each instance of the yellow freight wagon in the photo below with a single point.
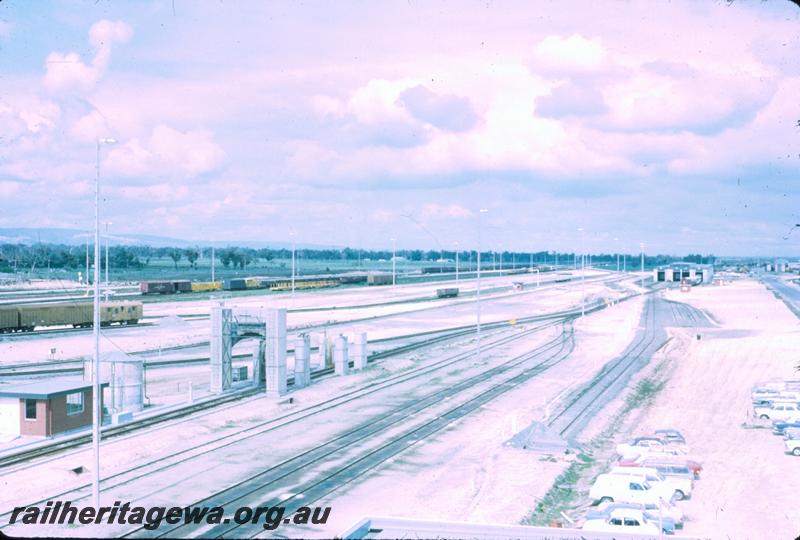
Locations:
(206, 286)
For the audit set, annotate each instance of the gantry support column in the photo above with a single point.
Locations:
(221, 346)
(302, 358)
(259, 353)
(276, 352)
(340, 360)
(360, 351)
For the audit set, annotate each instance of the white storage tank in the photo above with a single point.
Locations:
(125, 375)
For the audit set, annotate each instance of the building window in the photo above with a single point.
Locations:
(30, 409)
(75, 403)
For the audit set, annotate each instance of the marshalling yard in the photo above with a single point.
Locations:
(410, 413)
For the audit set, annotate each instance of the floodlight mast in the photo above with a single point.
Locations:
(97, 401)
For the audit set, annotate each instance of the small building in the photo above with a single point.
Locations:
(680, 271)
(45, 408)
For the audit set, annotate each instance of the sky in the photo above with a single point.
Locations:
(596, 126)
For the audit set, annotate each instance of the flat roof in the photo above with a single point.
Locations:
(44, 389)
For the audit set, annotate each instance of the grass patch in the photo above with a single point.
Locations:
(562, 495)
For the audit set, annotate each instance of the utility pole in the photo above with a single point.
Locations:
(108, 241)
(583, 274)
(212, 262)
(97, 397)
(478, 303)
(394, 261)
(642, 247)
(456, 262)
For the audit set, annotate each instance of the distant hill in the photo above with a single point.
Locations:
(31, 236)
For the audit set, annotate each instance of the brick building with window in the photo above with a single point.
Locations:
(45, 408)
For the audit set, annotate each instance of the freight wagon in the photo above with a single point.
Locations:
(438, 269)
(379, 279)
(352, 278)
(235, 284)
(447, 293)
(206, 286)
(165, 287)
(286, 284)
(26, 317)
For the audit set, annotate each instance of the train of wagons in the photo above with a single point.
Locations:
(27, 317)
(270, 283)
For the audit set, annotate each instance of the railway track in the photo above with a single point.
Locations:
(114, 431)
(11, 336)
(593, 396)
(354, 446)
(398, 445)
(75, 367)
(171, 460)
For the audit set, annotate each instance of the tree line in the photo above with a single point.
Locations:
(27, 258)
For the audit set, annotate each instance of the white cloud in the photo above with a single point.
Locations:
(167, 151)
(89, 127)
(67, 71)
(436, 211)
(568, 55)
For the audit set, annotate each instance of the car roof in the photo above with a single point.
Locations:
(627, 512)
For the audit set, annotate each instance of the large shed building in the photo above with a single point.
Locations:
(45, 408)
(679, 271)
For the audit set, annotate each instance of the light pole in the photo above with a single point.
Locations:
(97, 413)
(456, 262)
(87, 263)
(108, 241)
(617, 240)
(642, 248)
(212, 262)
(293, 247)
(394, 262)
(583, 274)
(478, 328)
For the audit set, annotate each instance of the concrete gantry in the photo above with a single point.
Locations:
(228, 328)
(340, 359)
(276, 352)
(302, 361)
(360, 351)
(222, 336)
(325, 358)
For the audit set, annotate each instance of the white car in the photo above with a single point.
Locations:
(792, 446)
(681, 488)
(646, 445)
(778, 411)
(623, 520)
(619, 488)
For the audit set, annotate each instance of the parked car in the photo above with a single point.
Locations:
(669, 468)
(672, 436)
(623, 520)
(681, 487)
(642, 445)
(792, 446)
(657, 461)
(791, 433)
(762, 393)
(779, 426)
(618, 488)
(778, 411)
(668, 514)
